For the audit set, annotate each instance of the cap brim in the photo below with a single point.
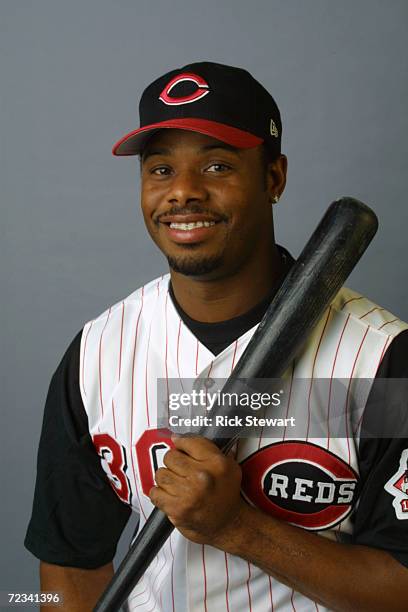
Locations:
(133, 143)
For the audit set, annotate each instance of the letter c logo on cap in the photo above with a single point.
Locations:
(201, 91)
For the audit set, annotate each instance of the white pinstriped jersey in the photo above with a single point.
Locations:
(142, 338)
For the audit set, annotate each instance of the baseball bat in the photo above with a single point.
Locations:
(328, 258)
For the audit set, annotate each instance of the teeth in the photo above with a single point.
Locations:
(190, 226)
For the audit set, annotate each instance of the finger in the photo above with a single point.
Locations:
(178, 462)
(170, 482)
(158, 497)
(153, 495)
(165, 502)
(196, 447)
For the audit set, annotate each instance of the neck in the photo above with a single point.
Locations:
(229, 296)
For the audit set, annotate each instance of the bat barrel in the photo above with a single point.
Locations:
(332, 252)
(335, 247)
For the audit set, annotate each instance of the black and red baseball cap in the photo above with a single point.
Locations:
(221, 101)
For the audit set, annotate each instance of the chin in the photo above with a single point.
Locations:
(190, 265)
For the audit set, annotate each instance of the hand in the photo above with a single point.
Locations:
(199, 490)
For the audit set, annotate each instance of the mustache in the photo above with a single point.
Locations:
(192, 209)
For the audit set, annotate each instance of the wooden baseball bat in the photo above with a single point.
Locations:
(328, 258)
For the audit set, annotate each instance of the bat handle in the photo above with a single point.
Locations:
(140, 555)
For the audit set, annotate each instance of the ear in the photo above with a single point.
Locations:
(276, 177)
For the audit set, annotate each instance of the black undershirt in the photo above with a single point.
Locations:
(217, 336)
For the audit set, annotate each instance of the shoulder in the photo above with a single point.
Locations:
(367, 314)
(142, 298)
(109, 341)
(351, 338)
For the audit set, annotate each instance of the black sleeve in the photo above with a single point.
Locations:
(77, 518)
(380, 519)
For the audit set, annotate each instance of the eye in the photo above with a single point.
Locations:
(217, 168)
(160, 171)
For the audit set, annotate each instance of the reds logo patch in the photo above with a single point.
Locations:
(201, 91)
(300, 483)
(397, 486)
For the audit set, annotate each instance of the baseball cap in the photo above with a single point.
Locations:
(221, 101)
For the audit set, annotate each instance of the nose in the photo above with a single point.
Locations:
(187, 187)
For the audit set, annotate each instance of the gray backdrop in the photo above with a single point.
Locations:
(72, 238)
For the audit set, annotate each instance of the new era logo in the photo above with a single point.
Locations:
(273, 129)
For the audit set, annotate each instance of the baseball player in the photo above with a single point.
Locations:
(289, 522)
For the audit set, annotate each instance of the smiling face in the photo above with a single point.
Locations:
(207, 205)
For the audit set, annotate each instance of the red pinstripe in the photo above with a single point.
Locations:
(387, 322)
(208, 376)
(382, 354)
(370, 311)
(289, 396)
(313, 368)
(120, 364)
(83, 358)
(210, 368)
(137, 487)
(100, 362)
(133, 401)
(172, 574)
(331, 379)
(248, 589)
(233, 357)
(165, 354)
(291, 600)
(121, 340)
(270, 592)
(166, 344)
(226, 558)
(196, 363)
(178, 348)
(262, 429)
(348, 390)
(113, 416)
(205, 580)
(351, 300)
(146, 368)
(226, 588)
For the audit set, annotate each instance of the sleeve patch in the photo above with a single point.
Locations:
(397, 486)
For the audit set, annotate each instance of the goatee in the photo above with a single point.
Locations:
(193, 266)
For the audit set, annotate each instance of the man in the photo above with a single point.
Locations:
(320, 530)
